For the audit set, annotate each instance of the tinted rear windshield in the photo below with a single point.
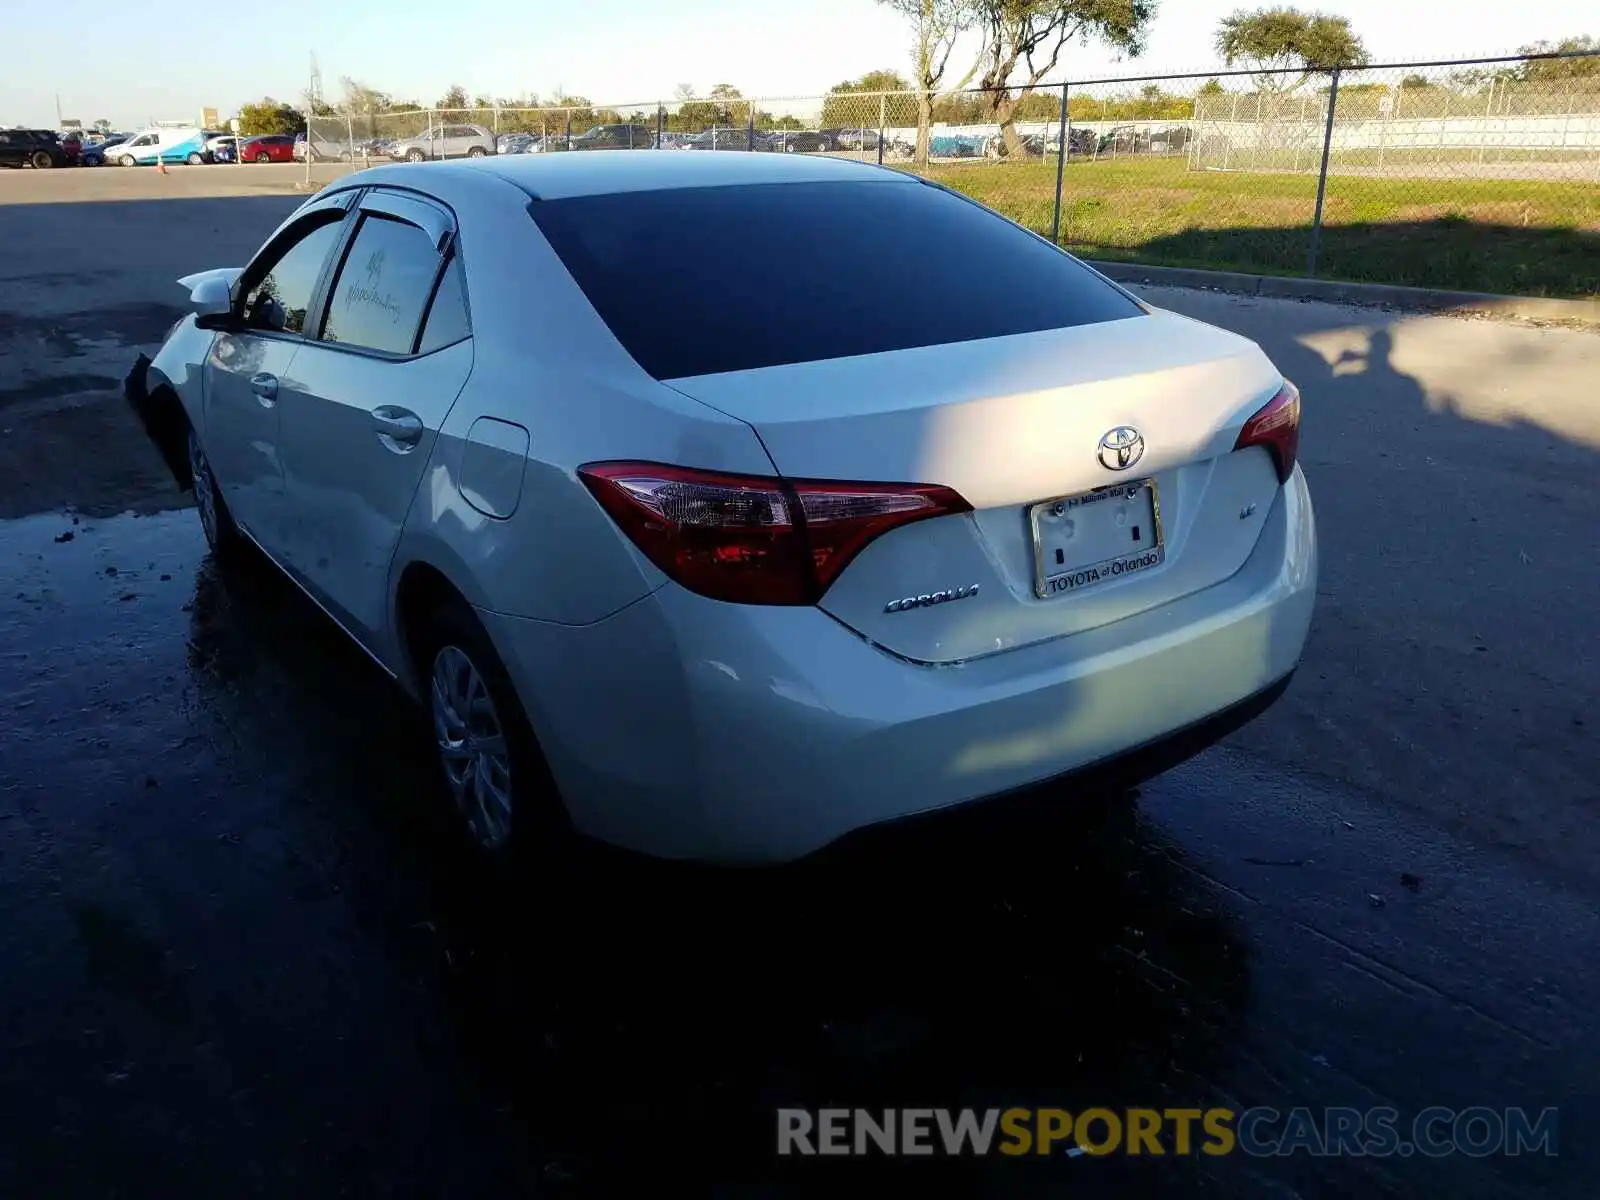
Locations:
(697, 281)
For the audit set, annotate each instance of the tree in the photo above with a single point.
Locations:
(722, 106)
(270, 116)
(357, 97)
(936, 26)
(455, 97)
(853, 104)
(1551, 69)
(1028, 36)
(1274, 42)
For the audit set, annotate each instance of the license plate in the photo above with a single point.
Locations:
(1089, 539)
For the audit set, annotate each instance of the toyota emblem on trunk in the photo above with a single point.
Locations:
(1120, 448)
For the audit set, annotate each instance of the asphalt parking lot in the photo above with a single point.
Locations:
(240, 958)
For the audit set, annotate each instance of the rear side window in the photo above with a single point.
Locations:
(688, 282)
(383, 286)
(447, 317)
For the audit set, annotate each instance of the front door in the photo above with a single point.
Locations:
(368, 396)
(249, 362)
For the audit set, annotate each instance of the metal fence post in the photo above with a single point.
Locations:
(750, 142)
(882, 113)
(661, 122)
(349, 138)
(1063, 144)
(569, 129)
(1322, 177)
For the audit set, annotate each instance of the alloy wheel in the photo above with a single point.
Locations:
(472, 746)
(205, 494)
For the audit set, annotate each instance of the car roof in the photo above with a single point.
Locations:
(563, 176)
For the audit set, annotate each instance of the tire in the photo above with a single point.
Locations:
(346, 156)
(477, 152)
(216, 522)
(127, 160)
(195, 160)
(42, 161)
(263, 157)
(414, 155)
(506, 803)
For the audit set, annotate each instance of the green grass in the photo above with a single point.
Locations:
(1489, 235)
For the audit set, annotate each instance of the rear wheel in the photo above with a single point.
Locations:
(42, 161)
(195, 160)
(222, 535)
(127, 160)
(493, 769)
(263, 157)
(476, 152)
(415, 155)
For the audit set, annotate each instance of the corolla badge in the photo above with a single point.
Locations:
(1120, 448)
(929, 599)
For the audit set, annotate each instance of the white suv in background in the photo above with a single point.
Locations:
(445, 141)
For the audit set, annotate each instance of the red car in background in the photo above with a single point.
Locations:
(271, 147)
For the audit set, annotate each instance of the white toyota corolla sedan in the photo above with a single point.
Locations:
(721, 505)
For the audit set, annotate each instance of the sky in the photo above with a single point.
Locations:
(168, 59)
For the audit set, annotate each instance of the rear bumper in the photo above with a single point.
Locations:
(686, 728)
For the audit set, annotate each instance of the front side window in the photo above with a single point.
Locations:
(383, 286)
(278, 300)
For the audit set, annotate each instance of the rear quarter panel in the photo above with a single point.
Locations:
(545, 362)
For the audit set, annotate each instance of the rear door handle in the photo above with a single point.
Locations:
(265, 387)
(397, 428)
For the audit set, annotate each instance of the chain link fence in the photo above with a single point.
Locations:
(1480, 175)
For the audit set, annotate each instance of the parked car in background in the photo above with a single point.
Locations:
(267, 148)
(97, 151)
(38, 148)
(325, 149)
(958, 145)
(1082, 141)
(168, 144)
(1174, 139)
(445, 141)
(94, 154)
(732, 137)
(854, 139)
(671, 140)
(1125, 139)
(614, 137)
(803, 141)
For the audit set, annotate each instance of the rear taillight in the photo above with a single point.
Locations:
(1276, 425)
(753, 539)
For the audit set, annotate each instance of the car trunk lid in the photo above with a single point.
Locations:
(1025, 428)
